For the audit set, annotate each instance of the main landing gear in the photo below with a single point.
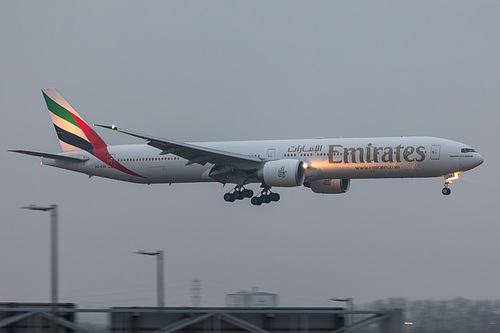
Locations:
(240, 193)
(266, 196)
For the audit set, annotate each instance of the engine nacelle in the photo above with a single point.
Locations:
(283, 173)
(329, 186)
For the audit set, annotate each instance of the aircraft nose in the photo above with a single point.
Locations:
(479, 159)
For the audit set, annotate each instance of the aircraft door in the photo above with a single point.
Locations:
(271, 153)
(435, 152)
(111, 161)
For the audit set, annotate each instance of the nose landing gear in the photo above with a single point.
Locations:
(448, 179)
(446, 190)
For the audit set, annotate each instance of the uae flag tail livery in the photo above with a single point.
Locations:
(73, 132)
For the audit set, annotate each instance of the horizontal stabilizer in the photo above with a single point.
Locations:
(53, 156)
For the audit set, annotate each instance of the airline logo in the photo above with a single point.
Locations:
(282, 172)
(370, 154)
(74, 133)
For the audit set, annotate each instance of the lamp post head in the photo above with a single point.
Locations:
(347, 299)
(149, 253)
(42, 208)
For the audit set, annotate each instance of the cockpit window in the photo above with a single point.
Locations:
(468, 150)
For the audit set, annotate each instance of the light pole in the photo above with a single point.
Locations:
(53, 248)
(350, 307)
(53, 257)
(159, 275)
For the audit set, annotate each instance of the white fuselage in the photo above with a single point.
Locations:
(342, 158)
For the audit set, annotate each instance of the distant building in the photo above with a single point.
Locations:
(254, 298)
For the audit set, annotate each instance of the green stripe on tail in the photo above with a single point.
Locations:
(59, 110)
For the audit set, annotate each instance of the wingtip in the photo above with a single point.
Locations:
(111, 127)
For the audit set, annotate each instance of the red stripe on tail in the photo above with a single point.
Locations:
(101, 148)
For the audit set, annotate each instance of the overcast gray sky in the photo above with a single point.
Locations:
(225, 70)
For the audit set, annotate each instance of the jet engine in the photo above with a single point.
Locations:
(283, 173)
(329, 186)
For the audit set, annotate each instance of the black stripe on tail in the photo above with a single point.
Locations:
(73, 140)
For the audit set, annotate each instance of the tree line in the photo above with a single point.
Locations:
(458, 315)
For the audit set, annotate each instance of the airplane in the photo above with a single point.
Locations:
(323, 165)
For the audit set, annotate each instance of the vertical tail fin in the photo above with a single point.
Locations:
(73, 132)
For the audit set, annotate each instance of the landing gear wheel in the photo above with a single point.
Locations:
(238, 195)
(256, 201)
(446, 191)
(265, 198)
(247, 193)
(274, 197)
(229, 197)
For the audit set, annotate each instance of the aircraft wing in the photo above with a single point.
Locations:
(53, 156)
(192, 153)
